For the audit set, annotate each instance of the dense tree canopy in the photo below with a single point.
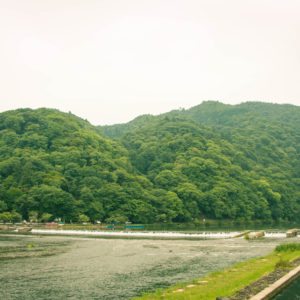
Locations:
(222, 161)
(211, 161)
(57, 164)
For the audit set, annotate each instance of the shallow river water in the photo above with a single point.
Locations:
(291, 292)
(56, 267)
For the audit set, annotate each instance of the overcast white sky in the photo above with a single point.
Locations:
(111, 60)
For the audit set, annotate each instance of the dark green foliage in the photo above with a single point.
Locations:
(223, 161)
(283, 264)
(55, 165)
(211, 161)
(288, 247)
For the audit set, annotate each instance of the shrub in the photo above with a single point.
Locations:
(83, 218)
(246, 237)
(8, 217)
(46, 217)
(282, 264)
(288, 247)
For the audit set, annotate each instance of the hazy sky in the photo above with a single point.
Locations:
(111, 60)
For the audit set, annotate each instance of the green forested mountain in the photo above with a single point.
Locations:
(212, 161)
(222, 161)
(54, 164)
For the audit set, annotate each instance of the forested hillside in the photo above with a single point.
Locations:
(222, 161)
(55, 165)
(212, 161)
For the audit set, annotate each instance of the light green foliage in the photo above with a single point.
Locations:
(83, 218)
(33, 216)
(10, 217)
(45, 217)
(118, 218)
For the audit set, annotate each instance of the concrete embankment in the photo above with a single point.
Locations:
(274, 288)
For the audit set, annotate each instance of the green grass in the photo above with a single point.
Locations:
(228, 281)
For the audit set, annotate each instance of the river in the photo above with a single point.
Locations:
(58, 267)
(291, 292)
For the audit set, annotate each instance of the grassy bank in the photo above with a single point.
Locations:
(229, 281)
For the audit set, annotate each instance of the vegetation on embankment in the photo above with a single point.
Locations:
(227, 282)
(288, 247)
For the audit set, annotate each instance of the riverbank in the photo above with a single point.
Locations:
(232, 282)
